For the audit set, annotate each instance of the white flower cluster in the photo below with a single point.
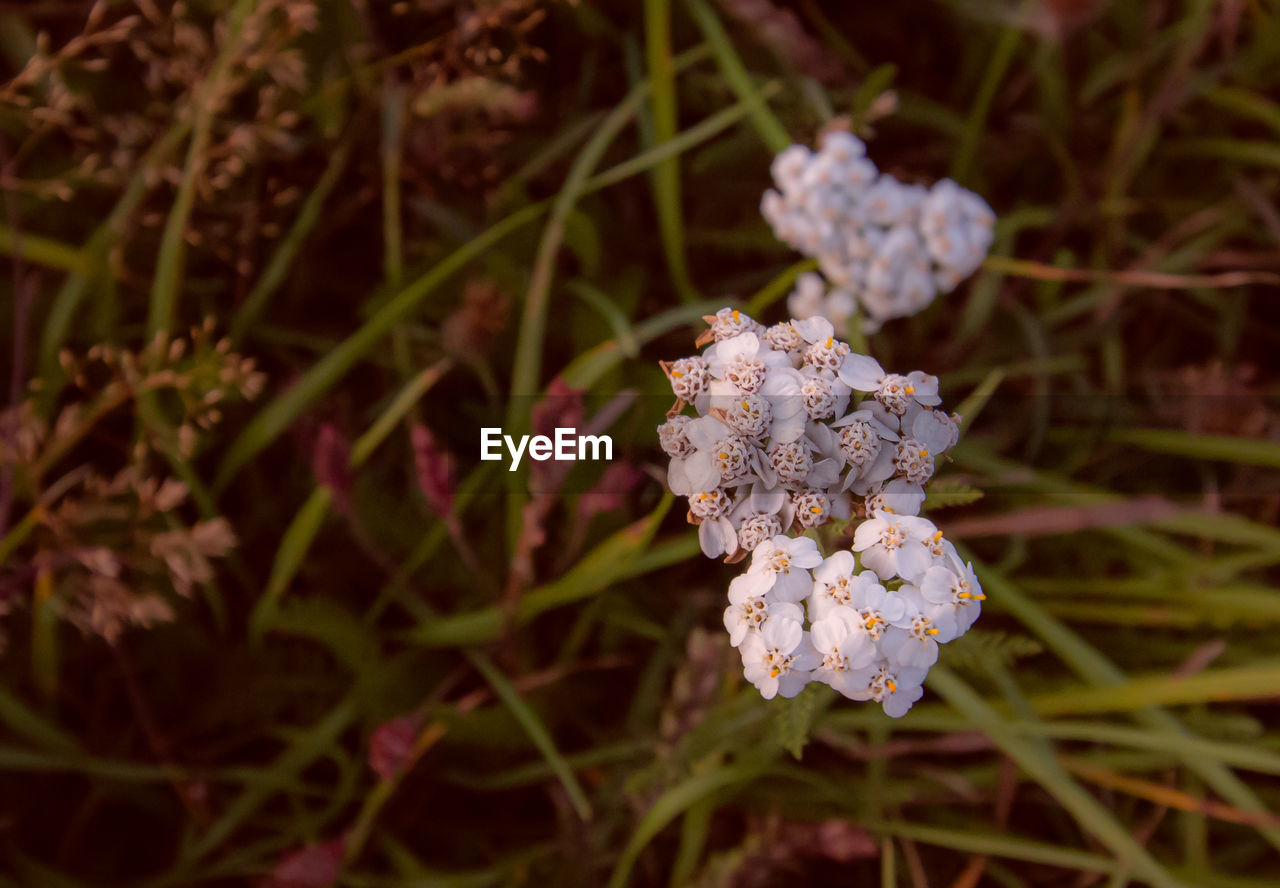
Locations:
(794, 430)
(885, 244)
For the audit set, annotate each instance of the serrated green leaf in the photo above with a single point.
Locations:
(793, 718)
(948, 493)
(973, 651)
(791, 723)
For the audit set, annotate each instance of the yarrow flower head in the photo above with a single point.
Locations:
(886, 246)
(793, 430)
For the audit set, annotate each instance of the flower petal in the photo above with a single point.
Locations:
(861, 372)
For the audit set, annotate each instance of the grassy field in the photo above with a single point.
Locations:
(268, 619)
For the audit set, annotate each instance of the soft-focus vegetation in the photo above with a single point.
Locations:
(267, 618)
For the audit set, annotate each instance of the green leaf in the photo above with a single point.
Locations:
(972, 651)
(996, 844)
(948, 492)
(793, 718)
(47, 252)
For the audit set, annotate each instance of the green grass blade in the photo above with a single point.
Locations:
(672, 804)
(1247, 104)
(1044, 768)
(537, 732)
(623, 334)
(778, 287)
(168, 275)
(273, 419)
(1237, 755)
(666, 175)
(1224, 448)
(72, 292)
(289, 558)
(291, 245)
(527, 364)
(1238, 683)
(770, 128)
(1096, 669)
(1245, 151)
(613, 560)
(975, 124)
(302, 530)
(48, 252)
(996, 845)
(310, 745)
(23, 721)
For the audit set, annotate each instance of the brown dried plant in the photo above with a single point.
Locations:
(107, 536)
(466, 86)
(114, 98)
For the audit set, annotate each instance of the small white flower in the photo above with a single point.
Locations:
(913, 461)
(788, 167)
(815, 507)
(898, 497)
(780, 568)
(958, 227)
(710, 504)
(889, 202)
(859, 443)
(780, 658)
(846, 650)
(733, 460)
(899, 689)
(674, 438)
(688, 377)
(914, 647)
(819, 396)
(716, 534)
(728, 323)
(744, 361)
(895, 393)
(893, 545)
(747, 613)
(824, 351)
(785, 338)
(791, 462)
(842, 146)
(748, 414)
(955, 585)
(934, 429)
(877, 607)
(757, 527)
(806, 300)
(837, 583)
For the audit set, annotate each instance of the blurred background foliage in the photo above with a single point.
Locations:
(268, 619)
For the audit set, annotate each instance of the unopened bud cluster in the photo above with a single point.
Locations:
(793, 430)
(882, 244)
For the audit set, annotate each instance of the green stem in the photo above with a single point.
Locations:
(766, 122)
